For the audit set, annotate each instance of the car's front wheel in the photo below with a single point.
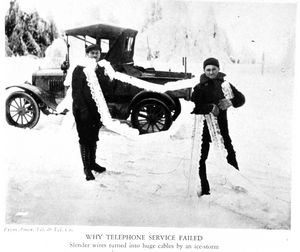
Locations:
(22, 110)
(151, 115)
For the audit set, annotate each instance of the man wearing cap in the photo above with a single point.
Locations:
(87, 118)
(209, 98)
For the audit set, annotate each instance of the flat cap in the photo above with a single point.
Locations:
(92, 47)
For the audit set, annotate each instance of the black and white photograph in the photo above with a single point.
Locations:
(149, 125)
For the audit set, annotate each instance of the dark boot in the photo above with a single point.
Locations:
(86, 160)
(95, 166)
(231, 159)
(205, 190)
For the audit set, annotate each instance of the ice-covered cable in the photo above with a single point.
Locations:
(97, 94)
(212, 122)
(215, 133)
(102, 107)
(169, 86)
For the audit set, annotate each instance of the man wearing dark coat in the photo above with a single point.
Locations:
(87, 118)
(209, 98)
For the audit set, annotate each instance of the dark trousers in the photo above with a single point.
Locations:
(205, 145)
(87, 128)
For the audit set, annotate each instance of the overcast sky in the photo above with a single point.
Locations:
(263, 26)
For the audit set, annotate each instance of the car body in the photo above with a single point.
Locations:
(148, 111)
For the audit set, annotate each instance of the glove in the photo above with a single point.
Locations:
(224, 104)
(215, 110)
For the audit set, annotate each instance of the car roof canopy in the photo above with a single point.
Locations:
(118, 36)
(100, 31)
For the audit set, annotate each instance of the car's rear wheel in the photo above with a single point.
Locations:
(22, 110)
(151, 115)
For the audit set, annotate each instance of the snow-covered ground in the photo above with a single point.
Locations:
(151, 181)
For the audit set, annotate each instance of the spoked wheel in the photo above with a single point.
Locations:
(22, 110)
(151, 115)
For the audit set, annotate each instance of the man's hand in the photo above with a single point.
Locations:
(215, 110)
(224, 104)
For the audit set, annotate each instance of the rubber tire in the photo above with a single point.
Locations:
(176, 112)
(151, 127)
(33, 113)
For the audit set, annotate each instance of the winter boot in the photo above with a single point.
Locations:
(95, 166)
(205, 190)
(86, 160)
(231, 159)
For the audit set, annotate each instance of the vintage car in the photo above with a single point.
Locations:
(147, 111)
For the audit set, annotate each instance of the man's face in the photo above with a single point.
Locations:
(94, 54)
(211, 71)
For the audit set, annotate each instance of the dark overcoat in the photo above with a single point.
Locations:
(208, 93)
(87, 117)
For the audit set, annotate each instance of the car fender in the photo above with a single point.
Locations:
(40, 95)
(149, 94)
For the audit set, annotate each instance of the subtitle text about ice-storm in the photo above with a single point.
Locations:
(137, 242)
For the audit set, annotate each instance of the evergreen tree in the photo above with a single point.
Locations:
(8, 51)
(27, 33)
